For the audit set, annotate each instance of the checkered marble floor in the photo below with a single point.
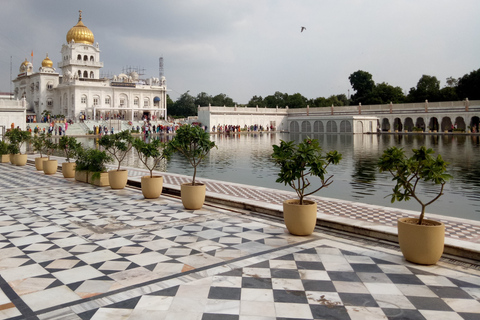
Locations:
(70, 250)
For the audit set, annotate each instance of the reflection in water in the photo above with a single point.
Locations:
(245, 158)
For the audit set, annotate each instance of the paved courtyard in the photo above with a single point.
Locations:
(70, 250)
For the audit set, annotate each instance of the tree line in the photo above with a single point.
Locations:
(366, 92)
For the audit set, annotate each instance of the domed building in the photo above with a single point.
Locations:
(79, 91)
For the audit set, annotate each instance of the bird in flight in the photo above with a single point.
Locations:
(303, 28)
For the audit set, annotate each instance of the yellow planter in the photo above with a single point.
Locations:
(81, 176)
(118, 178)
(50, 166)
(193, 197)
(20, 159)
(5, 158)
(152, 187)
(39, 163)
(422, 244)
(68, 169)
(101, 181)
(299, 219)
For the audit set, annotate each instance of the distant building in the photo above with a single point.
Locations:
(80, 92)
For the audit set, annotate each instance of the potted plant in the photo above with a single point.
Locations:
(50, 166)
(297, 163)
(194, 144)
(150, 154)
(70, 147)
(38, 143)
(17, 138)
(91, 163)
(421, 240)
(117, 145)
(4, 154)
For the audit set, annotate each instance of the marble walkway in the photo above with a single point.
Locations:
(70, 250)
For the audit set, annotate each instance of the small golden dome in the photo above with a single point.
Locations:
(47, 63)
(26, 66)
(80, 33)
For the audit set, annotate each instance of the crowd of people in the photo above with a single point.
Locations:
(232, 128)
(53, 129)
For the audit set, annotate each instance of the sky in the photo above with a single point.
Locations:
(254, 47)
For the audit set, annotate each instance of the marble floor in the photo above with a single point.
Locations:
(70, 250)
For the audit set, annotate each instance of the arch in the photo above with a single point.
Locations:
(123, 99)
(107, 100)
(136, 101)
(385, 124)
(92, 75)
(331, 126)
(420, 123)
(83, 99)
(446, 124)
(79, 73)
(460, 123)
(433, 124)
(359, 127)
(408, 124)
(318, 126)
(306, 126)
(156, 101)
(397, 124)
(92, 58)
(85, 58)
(146, 102)
(475, 123)
(345, 126)
(294, 127)
(79, 57)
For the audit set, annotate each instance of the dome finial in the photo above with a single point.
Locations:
(80, 15)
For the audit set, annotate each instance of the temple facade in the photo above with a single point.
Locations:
(79, 92)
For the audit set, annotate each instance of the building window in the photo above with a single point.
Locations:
(107, 100)
(79, 73)
(79, 57)
(83, 99)
(50, 103)
(85, 74)
(95, 101)
(92, 59)
(50, 86)
(85, 58)
(146, 102)
(92, 75)
(37, 86)
(122, 102)
(135, 102)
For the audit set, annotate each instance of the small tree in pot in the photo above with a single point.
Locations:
(151, 154)
(50, 166)
(4, 154)
(297, 163)
(17, 138)
(117, 145)
(70, 148)
(194, 144)
(408, 173)
(38, 143)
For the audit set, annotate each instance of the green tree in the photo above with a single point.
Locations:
(256, 101)
(428, 88)
(296, 101)
(278, 99)
(222, 99)
(363, 85)
(469, 86)
(384, 93)
(184, 106)
(203, 99)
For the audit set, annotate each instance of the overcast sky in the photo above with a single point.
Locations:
(254, 47)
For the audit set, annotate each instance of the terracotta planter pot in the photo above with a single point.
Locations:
(39, 163)
(81, 176)
(20, 159)
(422, 244)
(299, 219)
(5, 158)
(68, 169)
(152, 187)
(193, 197)
(50, 166)
(118, 178)
(101, 181)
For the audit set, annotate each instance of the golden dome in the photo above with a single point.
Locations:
(26, 66)
(80, 33)
(47, 63)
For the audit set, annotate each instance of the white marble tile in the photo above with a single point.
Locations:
(49, 298)
(77, 274)
(98, 256)
(257, 272)
(435, 280)
(148, 258)
(254, 294)
(464, 305)
(365, 313)
(31, 270)
(350, 287)
(222, 306)
(440, 315)
(293, 310)
(329, 299)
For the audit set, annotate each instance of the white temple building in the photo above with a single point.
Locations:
(80, 92)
